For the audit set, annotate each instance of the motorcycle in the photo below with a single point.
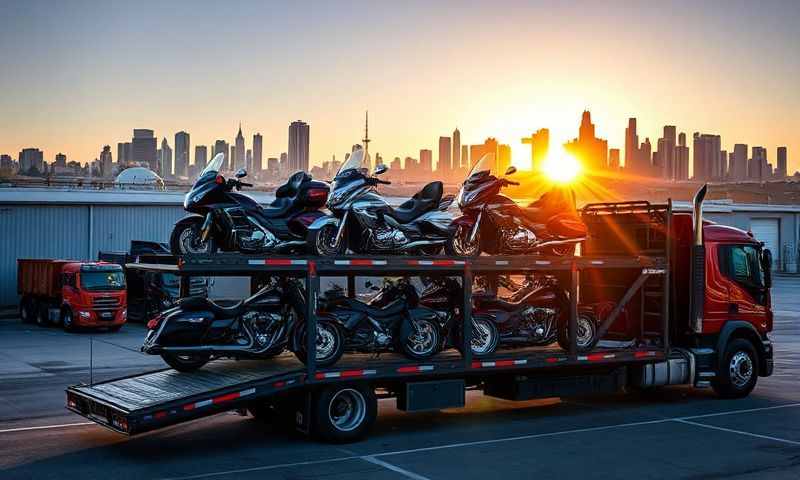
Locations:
(536, 314)
(363, 222)
(393, 322)
(262, 326)
(222, 218)
(444, 296)
(495, 224)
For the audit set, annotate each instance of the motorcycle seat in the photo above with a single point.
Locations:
(193, 304)
(394, 308)
(292, 185)
(422, 202)
(278, 208)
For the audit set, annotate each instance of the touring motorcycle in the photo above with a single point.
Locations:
(198, 330)
(495, 224)
(393, 321)
(224, 219)
(364, 222)
(536, 313)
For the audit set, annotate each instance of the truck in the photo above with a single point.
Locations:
(72, 294)
(150, 292)
(697, 312)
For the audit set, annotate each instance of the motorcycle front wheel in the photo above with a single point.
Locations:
(585, 336)
(186, 239)
(323, 241)
(329, 346)
(423, 341)
(459, 244)
(485, 338)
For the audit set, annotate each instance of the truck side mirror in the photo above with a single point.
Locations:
(766, 264)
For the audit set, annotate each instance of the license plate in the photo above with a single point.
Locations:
(107, 314)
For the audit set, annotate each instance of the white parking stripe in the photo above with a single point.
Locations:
(394, 468)
(740, 432)
(46, 427)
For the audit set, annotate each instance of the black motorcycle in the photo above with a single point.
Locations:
(227, 220)
(394, 321)
(198, 330)
(495, 224)
(536, 313)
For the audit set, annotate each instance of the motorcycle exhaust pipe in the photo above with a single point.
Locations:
(560, 242)
(422, 243)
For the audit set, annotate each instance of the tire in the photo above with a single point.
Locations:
(320, 241)
(186, 363)
(587, 331)
(485, 338)
(423, 342)
(67, 320)
(185, 239)
(330, 343)
(26, 310)
(458, 243)
(738, 373)
(41, 315)
(343, 413)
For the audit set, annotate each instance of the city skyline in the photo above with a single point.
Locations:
(729, 71)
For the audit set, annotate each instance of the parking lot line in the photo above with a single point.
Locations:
(394, 468)
(374, 456)
(740, 432)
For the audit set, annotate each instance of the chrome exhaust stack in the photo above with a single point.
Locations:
(698, 263)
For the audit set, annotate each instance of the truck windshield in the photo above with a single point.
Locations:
(109, 280)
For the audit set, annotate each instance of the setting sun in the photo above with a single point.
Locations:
(561, 167)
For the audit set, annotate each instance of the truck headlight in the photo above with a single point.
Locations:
(84, 314)
(124, 313)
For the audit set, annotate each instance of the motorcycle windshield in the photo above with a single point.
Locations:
(354, 162)
(482, 167)
(469, 190)
(213, 166)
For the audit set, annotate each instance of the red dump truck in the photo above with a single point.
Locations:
(71, 293)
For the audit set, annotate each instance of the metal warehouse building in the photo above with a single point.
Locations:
(76, 224)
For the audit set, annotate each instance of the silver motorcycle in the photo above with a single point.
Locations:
(363, 222)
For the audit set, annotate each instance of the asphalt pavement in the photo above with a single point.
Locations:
(678, 432)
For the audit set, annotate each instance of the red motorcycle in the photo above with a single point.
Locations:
(495, 224)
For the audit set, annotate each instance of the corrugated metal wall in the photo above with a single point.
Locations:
(63, 232)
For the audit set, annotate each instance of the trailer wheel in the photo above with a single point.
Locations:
(185, 363)
(739, 370)
(344, 413)
(26, 310)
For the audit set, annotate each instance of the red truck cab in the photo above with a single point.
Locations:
(72, 294)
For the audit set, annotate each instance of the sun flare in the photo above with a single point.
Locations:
(561, 167)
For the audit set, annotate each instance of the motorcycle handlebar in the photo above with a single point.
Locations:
(242, 184)
(511, 182)
(385, 182)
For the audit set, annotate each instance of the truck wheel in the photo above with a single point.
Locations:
(738, 372)
(187, 362)
(26, 310)
(67, 320)
(344, 413)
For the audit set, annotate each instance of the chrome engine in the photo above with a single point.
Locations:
(519, 239)
(388, 238)
(539, 323)
(265, 327)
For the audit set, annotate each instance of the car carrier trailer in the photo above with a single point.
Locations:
(632, 256)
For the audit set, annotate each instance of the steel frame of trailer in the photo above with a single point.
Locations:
(96, 403)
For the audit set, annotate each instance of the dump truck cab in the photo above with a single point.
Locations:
(94, 293)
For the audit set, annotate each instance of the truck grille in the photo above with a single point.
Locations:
(105, 303)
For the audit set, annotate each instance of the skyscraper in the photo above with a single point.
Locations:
(443, 166)
(464, 158)
(738, 165)
(590, 150)
(455, 160)
(426, 160)
(105, 161)
(221, 146)
(239, 158)
(257, 153)
(181, 154)
(633, 162)
(682, 158)
(613, 159)
(165, 162)
(299, 133)
(781, 172)
(248, 160)
(540, 145)
(31, 160)
(503, 158)
(143, 148)
(124, 155)
(706, 157)
(200, 157)
(487, 149)
(61, 160)
(758, 164)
